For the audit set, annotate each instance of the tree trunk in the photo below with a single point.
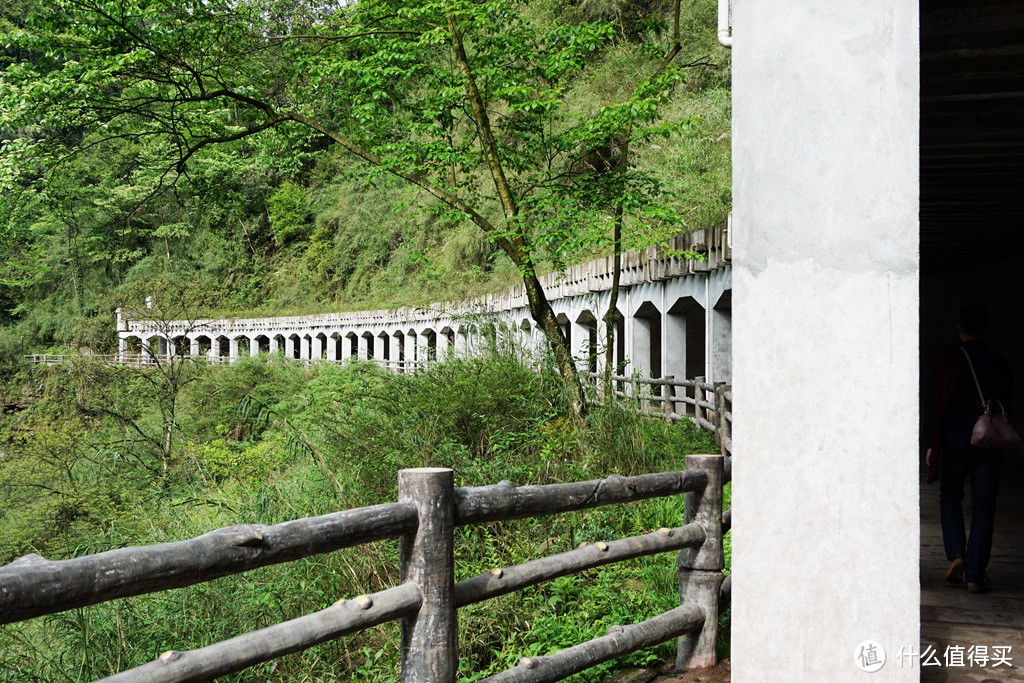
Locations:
(543, 315)
(613, 302)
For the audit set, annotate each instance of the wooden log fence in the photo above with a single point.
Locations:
(427, 599)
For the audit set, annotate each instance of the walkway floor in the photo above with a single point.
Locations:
(953, 618)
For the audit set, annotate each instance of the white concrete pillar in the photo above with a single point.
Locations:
(122, 345)
(316, 350)
(332, 348)
(193, 347)
(363, 347)
(304, 347)
(254, 347)
(639, 343)
(273, 345)
(289, 346)
(581, 345)
(443, 350)
(396, 350)
(233, 348)
(460, 349)
(411, 360)
(825, 485)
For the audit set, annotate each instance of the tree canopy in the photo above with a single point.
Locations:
(465, 101)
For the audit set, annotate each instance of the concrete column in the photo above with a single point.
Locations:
(316, 350)
(442, 346)
(193, 347)
(825, 490)
(233, 348)
(304, 347)
(580, 345)
(638, 346)
(396, 349)
(254, 347)
(410, 352)
(273, 345)
(289, 346)
(363, 347)
(332, 348)
(122, 344)
(460, 343)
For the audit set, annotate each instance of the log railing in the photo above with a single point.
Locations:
(427, 599)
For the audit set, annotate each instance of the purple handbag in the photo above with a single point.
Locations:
(993, 428)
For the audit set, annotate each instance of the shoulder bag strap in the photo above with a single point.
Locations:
(975, 376)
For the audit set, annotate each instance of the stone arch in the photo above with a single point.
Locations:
(566, 326)
(685, 333)
(446, 342)
(367, 339)
(319, 351)
(398, 346)
(242, 346)
(647, 340)
(430, 344)
(587, 348)
(133, 345)
(351, 345)
(202, 345)
(221, 346)
(336, 346)
(262, 343)
(412, 348)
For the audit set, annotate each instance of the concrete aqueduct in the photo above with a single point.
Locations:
(674, 320)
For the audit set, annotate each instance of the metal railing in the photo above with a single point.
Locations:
(429, 508)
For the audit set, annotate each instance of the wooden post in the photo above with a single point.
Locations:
(725, 426)
(719, 413)
(698, 395)
(429, 637)
(668, 393)
(700, 569)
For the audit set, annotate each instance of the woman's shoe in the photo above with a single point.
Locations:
(955, 570)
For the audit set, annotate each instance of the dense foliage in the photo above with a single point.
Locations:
(266, 443)
(287, 220)
(281, 156)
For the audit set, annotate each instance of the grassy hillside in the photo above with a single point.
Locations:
(281, 224)
(258, 443)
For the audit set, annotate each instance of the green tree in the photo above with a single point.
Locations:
(459, 98)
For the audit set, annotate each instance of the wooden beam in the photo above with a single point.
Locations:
(503, 501)
(619, 641)
(32, 585)
(241, 652)
(500, 581)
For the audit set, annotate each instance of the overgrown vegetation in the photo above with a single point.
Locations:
(595, 130)
(264, 443)
(284, 222)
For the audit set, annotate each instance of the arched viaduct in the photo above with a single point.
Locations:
(674, 319)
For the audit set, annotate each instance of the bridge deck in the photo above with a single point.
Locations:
(950, 616)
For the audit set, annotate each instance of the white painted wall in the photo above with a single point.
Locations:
(825, 337)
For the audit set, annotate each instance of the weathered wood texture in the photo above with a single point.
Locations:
(700, 569)
(507, 580)
(725, 595)
(503, 501)
(619, 641)
(236, 654)
(430, 645)
(32, 585)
